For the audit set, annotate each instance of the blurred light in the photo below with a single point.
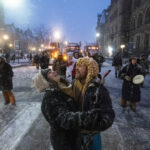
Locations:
(57, 35)
(122, 46)
(40, 50)
(10, 45)
(66, 43)
(97, 34)
(65, 57)
(33, 49)
(110, 49)
(12, 3)
(42, 45)
(5, 37)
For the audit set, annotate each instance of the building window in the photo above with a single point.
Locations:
(147, 16)
(146, 41)
(133, 24)
(138, 42)
(140, 20)
(137, 3)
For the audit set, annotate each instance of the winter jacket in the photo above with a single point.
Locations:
(61, 113)
(96, 98)
(60, 66)
(36, 59)
(130, 91)
(44, 62)
(117, 60)
(6, 75)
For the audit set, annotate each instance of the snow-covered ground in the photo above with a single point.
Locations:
(130, 131)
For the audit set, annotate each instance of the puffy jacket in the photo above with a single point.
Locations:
(6, 75)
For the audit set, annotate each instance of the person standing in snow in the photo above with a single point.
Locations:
(60, 65)
(89, 94)
(66, 121)
(117, 63)
(75, 58)
(130, 91)
(6, 84)
(69, 68)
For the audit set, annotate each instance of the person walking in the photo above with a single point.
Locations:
(6, 84)
(130, 91)
(117, 63)
(44, 60)
(37, 61)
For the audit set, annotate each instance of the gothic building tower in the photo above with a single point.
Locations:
(127, 22)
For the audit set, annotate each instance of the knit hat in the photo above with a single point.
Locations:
(40, 81)
(44, 72)
(92, 67)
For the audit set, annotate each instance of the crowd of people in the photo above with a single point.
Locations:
(76, 111)
(76, 104)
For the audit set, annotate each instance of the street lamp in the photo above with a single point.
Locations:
(110, 49)
(122, 47)
(13, 3)
(5, 37)
(10, 45)
(42, 45)
(97, 35)
(57, 35)
(66, 43)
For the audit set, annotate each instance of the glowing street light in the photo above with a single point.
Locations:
(97, 35)
(66, 43)
(33, 49)
(10, 45)
(110, 50)
(13, 3)
(5, 37)
(42, 45)
(122, 47)
(57, 35)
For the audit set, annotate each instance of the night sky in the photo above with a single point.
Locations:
(76, 19)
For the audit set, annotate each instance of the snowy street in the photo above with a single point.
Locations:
(22, 127)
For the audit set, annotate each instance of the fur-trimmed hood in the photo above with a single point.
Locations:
(40, 83)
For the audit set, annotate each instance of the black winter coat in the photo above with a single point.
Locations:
(130, 91)
(6, 75)
(117, 60)
(44, 62)
(54, 103)
(97, 97)
(60, 111)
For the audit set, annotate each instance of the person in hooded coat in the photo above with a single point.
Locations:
(61, 113)
(130, 91)
(117, 63)
(89, 94)
(6, 84)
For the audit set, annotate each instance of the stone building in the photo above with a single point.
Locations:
(125, 22)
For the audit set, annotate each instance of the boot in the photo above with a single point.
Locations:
(6, 102)
(6, 97)
(133, 106)
(11, 98)
(116, 75)
(123, 102)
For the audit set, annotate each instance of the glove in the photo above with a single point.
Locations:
(127, 78)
